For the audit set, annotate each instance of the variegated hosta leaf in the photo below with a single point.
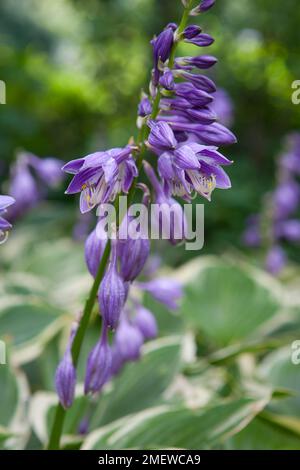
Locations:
(176, 427)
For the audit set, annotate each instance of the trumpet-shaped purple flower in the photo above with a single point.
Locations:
(5, 226)
(190, 167)
(99, 363)
(101, 176)
(112, 293)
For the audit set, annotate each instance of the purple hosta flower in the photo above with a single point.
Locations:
(94, 249)
(145, 321)
(290, 160)
(171, 222)
(286, 198)
(167, 80)
(65, 376)
(201, 40)
(251, 236)
(82, 226)
(98, 367)
(65, 380)
(48, 169)
(276, 260)
(200, 62)
(23, 188)
(188, 167)
(145, 107)
(117, 360)
(5, 226)
(101, 176)
(223, 107)
(165, 290)
(161, 136)
(83, 427)
(112, 292)
(162, 46)
(202, 7)
(289, 229)
(128, 340)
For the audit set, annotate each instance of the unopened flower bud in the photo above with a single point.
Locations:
(112, 293)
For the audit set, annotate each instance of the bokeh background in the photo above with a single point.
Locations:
(73, 72)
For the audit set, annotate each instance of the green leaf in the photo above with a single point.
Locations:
(278, 369)
(141, 384)
(228, 302)
(29, 324)
(264, 434)
(176, 427)
(14, 396)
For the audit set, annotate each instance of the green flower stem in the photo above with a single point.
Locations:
(60, 413)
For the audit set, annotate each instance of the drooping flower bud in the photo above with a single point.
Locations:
(202, 40)
(167, 80)
(94, 248)
(129, 340)
(145, 107)
(65, 376)
(171, 222)
(162, 46)
(48, 169)
(161, 136)
(145, 322)
(204, 6)
(65, 380)
(133, 255)
(23, 188)
(98, 365)
(112, 292)
(191, 31)
(200, 62)
(276, 260)
(165, 290)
